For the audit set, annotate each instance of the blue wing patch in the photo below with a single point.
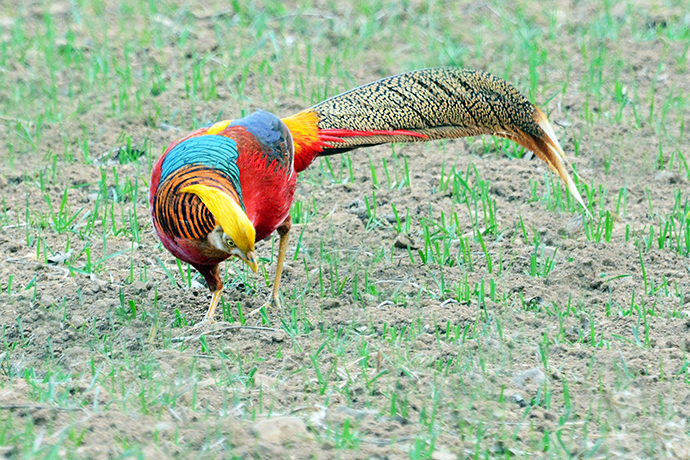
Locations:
(272, 134)
(264, 126)
(217, 152)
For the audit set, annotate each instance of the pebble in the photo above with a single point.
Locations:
(279, 336)
(139, 286)
(356, 207)
(59, 258)
(77, 321)
(330, 303)
(47, 300)
(403, 241)
(391, 219)
(668, 176)
(531, 376)
(517, 398)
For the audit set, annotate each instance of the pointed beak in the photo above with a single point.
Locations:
(249, 258)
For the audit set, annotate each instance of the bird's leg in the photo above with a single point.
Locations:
(283, 231)
(215, 284)
(215, 300)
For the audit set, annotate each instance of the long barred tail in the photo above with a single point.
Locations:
(424, 105)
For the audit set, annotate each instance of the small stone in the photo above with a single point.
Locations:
(403, 241)
(530, 376)
(548, 252)
(47, 300)
(668, 176)
(279, 336)
(330, 304)
(162, 426)
(102, 305)
(77, 321)
(75, 359)
(278, 430)
(517, 398)
(370, 299)
(139, 286)
(59, 258)
(356, 207)
(391, 219)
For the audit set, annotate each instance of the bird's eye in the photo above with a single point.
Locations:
(228, 241)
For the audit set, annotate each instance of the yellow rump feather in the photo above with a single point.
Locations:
(228, 214)
(304, 127)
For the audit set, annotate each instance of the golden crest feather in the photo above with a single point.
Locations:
(228, 214)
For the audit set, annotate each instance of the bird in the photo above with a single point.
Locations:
(220, 189)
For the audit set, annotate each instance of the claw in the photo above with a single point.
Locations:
(275, 301)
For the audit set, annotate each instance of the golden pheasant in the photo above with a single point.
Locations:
(222, 188)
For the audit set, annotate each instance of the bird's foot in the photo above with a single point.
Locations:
(273, 303)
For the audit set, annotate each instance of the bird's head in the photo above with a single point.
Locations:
(236, 235)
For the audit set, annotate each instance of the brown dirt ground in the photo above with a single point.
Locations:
(631, 385)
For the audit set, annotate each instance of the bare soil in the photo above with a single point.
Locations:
(625, 371)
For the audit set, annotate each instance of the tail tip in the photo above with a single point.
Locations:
(555, 147)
